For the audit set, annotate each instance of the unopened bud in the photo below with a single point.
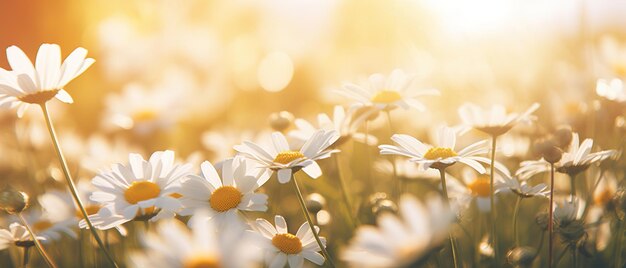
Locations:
(281, 121)
(521, 256)
(563, 136)
(315, 202)
(13, 201)
(552, 154)
(573, 231)
(542, 220)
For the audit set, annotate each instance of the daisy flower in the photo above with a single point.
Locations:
(388, 92)
(441, 156)
(576, 159)
(139, 190)
(522, 189)
(494, 121)
(400, 241)
(17, 235)
(45, 225)
(223, 198)
(473, 187)
(346, 123)
(611, 90)
(282, 247)
(26, 84)
(285, 161)
(174, 245)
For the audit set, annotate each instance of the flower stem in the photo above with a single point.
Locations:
(40, 248)
(574, 259)
(515, 214)
(572, 180)
(442, 173)
(71, 185)
(492, 202)
(550, 216)
(344, 194)
(309, 221)
(26, 254)
(398, 181)
(618, 241)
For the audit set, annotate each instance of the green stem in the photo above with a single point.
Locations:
(492, 201)
(572, 180)
(40, 248)
(515, 214)
(71, 185)
(550, 216)
(561, 255)
(26, 252)
(618, 241)
(574, 259)
(344, 194)
(309, 221)
(399, 186)
(442, 173)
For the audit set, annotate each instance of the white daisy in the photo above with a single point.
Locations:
(17, 235)
(494, 121)
(612, 89)
(576, 159)
(45, 225)
(285, 161)
(388, 92)
(140, 190)
(26, 84)
(474, 187)
(443, 155)
(522, 189)
(400, 241)
(223, 198)
(173, 245)
(282, 247)
(346, 123)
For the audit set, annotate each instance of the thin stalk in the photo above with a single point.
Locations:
(515, 214)
(398, 181)
(550, 216)
(561, 255)
(442, 173)
(572, 180)
(70, 183)
(344, 194)
(590, 193)
(492, 201)
(309, 221)
(574, 259)
(40, 248)
(618, 246)
(26, 252)
(368, 159)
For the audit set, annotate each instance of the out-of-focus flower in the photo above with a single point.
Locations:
(282, 247)
(568, 210)
(400, 242)
(522, 188)
(26, 84)
(17, 235)
(220, 143)
(603, 204)
(407, 170)
(388, 92)
(441, 156)
(224, 198)
(173, 245)
(346, 123)
(473, 187)
(611, 89)
(495, 121)
(13, 201)
(140, 190)
(576, 159)
(46, 226)
(285, 161)
(99, 152)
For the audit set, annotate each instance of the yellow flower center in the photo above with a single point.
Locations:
(91, 209)
(225, 198)
(143, 115)
(603, 197)
(39, 97)
(386, 96)
(480, 186)
(287, 243)
(176, 195)
(41, 226)
(285, 157)
(140, 191)
(201, 261)
(439, 152)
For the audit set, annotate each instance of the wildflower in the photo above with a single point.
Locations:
(522, 189)
(26, 84)
(17, 235)
(45, 225)
(473, 187)
(495, 121)
(282, 247)
(285, 161)
(611, 90)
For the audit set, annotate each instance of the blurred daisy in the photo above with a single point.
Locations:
(223, 198)
(576, 159)
(522, 189)
(173, 245)
(441, 156)
(346, 123)
(400, 241)
(388, 92)
(26, 84)
(17, 235)
(604, 197)
(611, 90)
(140, 190)
(473, 187)
(285, 161)
(494, 121)
(282, 247)
(45, 225)
(568, 210)
(407, 170)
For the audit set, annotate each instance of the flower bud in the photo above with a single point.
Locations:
(315, 202)
(572, 232)
(542, 220)
(552, 154)
(563, 136)
(521, 256)
(13, 201)
(281, 121)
